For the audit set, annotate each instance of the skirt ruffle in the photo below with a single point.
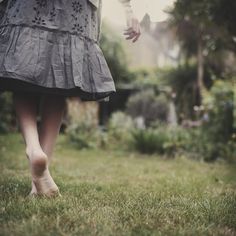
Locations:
(53, 62)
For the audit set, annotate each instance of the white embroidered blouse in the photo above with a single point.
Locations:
(81, 17)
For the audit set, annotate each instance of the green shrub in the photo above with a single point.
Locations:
(228, 151)
(193, 142)
(148, 105)
(200, 146)
(148, 141)
(80, 135)
(161, 140)
(119, 127)
(218, 130)
(183, 81)
(84, 134)
(220, 104)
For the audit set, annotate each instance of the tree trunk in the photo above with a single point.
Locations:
(200, 69)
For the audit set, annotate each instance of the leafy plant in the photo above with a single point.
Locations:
(84, 134)
(162, 140)
(148, 105)
(120, 126)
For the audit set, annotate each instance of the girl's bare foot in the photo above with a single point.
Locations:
(41, 178)
(33, 190)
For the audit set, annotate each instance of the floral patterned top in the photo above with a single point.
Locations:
(74, 16)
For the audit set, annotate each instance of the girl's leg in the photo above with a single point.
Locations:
(26, 111)
(52, 112)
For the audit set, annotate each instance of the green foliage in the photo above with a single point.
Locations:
(148, 105)
(218, 130)
(161, 140)
(6, 112)
(195, 143)
(214, 138)
(220, 104)
(119, 127)
(149, 141)
(146, 78)
(183, 82)
(208, 21)
(223, 14)
(200, 146)
(80, 134)
(206, 32)
(85, 135)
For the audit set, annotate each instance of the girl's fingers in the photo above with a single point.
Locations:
(130, 37)
(133, 36)
(136, 38)
(133, 31)
(129, 31)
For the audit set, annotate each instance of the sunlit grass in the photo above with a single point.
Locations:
(116, 193)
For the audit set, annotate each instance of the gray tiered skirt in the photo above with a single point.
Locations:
(52, 60)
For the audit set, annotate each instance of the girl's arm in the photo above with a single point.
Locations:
(133, 30)
(127, 6)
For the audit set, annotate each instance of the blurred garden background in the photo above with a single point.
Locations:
(160, 157)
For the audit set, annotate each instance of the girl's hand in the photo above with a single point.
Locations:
(133, 30)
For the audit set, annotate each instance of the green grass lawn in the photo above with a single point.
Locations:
(116, 193)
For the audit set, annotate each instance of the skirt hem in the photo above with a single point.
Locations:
(12, 84)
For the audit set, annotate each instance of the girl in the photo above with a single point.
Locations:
(49, 50)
